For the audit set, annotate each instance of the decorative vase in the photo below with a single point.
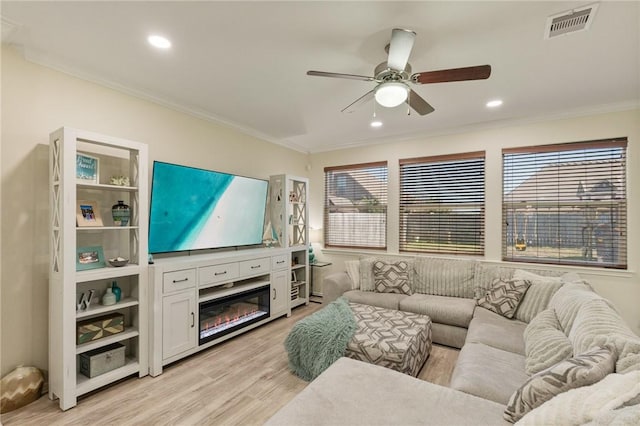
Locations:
(117, 291)
(20, 387)
(109, 298)
(312, 256)
(121, 213)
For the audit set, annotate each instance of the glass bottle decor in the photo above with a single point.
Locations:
(117, 291)
(121, 213)
(312, 256)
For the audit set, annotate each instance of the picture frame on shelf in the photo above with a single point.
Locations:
(87, 168)
(91, 257)
(294, 277)
(88, 213)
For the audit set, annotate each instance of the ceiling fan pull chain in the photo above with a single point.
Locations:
(409, 103)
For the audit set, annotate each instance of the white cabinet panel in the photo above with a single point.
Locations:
(179, 328)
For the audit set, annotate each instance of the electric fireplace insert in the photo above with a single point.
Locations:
(230, 313)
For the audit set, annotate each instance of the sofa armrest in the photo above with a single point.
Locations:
(334, 285)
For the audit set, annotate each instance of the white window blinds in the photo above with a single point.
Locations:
(442, 204)
(355, 206)
(566, 204)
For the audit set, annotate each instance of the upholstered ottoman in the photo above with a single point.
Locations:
(389, 338)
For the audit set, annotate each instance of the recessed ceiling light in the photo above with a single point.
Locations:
(376, 123)
(159, 41)
(494, 103)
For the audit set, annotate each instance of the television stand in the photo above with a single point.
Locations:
(195, 297)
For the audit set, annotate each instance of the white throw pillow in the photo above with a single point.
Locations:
(366, 274)
(585, 404)
(538, 295)
(544, 342)
(353, 270)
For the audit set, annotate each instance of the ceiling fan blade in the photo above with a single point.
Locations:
(479, 72)
(360, 101)
(339, 75)
(400, 48)
(419, 105)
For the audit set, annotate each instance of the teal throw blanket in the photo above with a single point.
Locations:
(317, 341)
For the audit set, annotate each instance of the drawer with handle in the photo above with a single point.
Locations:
(218, 273)
(280, 262)
(256, 266)
(178, 280)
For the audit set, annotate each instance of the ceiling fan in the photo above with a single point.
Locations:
(394, 75)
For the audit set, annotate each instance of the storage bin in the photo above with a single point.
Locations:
(102, 360)
(99, 327)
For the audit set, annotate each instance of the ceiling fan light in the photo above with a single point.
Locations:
(391, 94)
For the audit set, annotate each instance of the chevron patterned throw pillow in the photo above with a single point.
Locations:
(392, 277)
(582, 370)
(504, 296)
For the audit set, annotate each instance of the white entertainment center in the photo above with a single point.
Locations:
(181, 286)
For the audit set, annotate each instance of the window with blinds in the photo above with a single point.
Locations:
(355, 206)
(566, 204)
(442, 204)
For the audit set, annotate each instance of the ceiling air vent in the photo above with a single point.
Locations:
(571, 21)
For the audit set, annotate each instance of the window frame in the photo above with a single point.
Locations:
(327, 229)
(478, 246)
(618, 207)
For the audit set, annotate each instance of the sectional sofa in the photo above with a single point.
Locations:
(533, 342)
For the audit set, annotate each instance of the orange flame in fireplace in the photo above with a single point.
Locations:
(240, 311)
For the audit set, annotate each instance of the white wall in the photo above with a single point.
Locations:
(37, 100)
(622, 287)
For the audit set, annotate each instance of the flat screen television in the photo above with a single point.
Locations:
(194, 209)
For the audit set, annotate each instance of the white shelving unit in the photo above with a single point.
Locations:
(116, 157)
(288, 215)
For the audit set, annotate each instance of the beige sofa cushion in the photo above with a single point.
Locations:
(496, 331)
(545, 343)
(537, 296)
(444, 277)
(356, 393)
(488, 372)
(485, 274)
(596, 324)
(581, 370)
(445, 310)
(383, 300)
(448, 335)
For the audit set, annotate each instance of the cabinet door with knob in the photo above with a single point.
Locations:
(179, 328)
(280, 293)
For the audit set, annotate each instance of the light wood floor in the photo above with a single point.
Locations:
(243, 381)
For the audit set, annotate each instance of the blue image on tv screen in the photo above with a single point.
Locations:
(194, 209)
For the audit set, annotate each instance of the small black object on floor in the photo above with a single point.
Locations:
(315, 299)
